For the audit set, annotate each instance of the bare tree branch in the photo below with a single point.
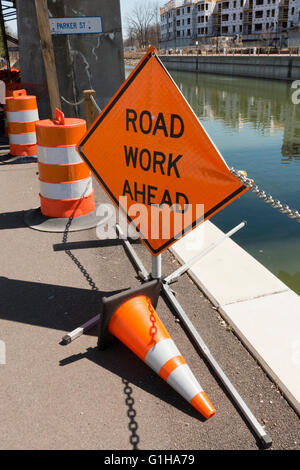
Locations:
(144, 23)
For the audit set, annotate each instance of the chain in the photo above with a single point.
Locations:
(267, 198)
(131, 413)
(76, 260)
(153, 328)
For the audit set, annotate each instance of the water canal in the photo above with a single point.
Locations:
(256, 127)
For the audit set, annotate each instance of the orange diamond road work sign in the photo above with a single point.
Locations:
(154, 159)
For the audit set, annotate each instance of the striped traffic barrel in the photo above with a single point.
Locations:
(21, 115)
(65, 180)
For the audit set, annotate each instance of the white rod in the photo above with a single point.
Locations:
(202, 253)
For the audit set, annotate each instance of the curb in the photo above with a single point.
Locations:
(262, 310)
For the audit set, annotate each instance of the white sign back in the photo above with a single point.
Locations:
(76, 25)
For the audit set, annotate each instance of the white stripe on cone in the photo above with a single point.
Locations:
(58, 155)
(23, 116)
(74, 190)
(161, 353)
(184, 382)
(22, 139)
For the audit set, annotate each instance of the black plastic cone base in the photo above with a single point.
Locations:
(110, 304)
(37, 221)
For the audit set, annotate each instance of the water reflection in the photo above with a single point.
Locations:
(292, 281)
(256, 127)
(264, 105)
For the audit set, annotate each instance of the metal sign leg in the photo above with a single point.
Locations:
(68, 338)
(185, 267)
(156, 267)
(261, 434)
(263, 437)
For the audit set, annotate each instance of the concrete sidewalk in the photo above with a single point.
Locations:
(72, 397)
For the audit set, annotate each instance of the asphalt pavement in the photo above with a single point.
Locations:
(74, 397)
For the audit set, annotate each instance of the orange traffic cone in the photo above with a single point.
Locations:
(131, 318)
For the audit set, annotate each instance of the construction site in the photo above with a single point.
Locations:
(109, 319)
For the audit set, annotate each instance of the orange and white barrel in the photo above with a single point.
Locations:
(21, 115)
(5, 125)
(65, 180)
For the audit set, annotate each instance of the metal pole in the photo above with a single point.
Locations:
(141, 269)
(68, 338)
(4, 39)
(176, 274)
(156, 267)
(265, 440)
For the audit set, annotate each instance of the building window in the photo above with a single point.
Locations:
(178, 22)
(234, 16)
(268, 13)
(188, 9)
(259, 2)
(224, 29)
(259, 14)
(177, 12)
(258, 27)
(189, 21)
(241, 16)
(233, 29)
(273, 12)
(178, 33)
(182, 22)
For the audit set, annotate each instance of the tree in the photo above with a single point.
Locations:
(143, 24)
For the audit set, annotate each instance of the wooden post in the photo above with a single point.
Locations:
(91, 112)
(48, 54)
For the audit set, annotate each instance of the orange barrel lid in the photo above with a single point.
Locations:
(60, 132)
(20, 101)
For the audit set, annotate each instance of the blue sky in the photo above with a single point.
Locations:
(126, 8)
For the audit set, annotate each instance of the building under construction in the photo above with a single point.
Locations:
(185, 21)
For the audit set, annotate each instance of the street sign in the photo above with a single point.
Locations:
(154, 159)
(76, 25)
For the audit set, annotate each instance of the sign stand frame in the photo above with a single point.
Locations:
(263, 438)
